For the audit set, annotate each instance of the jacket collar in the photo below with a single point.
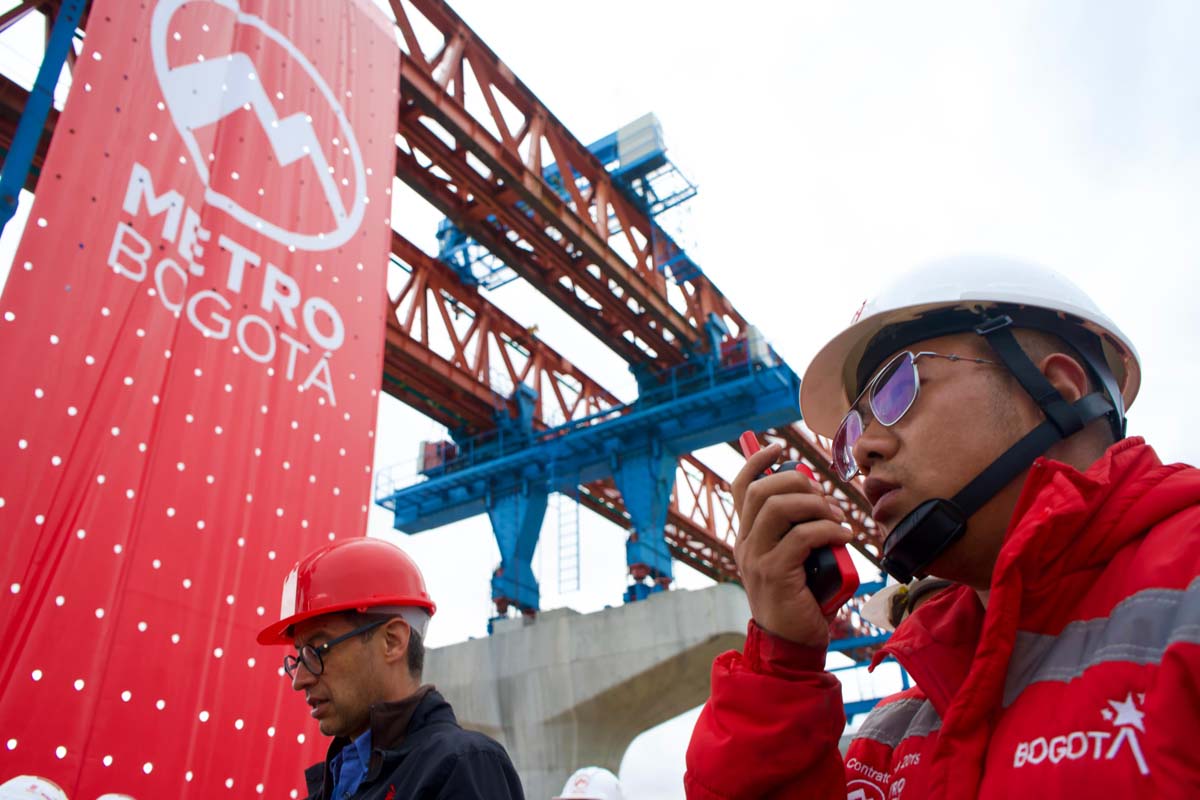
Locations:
(390, 725)
(1065, 521)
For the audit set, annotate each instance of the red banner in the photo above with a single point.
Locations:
(191, 348)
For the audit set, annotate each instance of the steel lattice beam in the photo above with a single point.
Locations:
(444, 368)
(488, 138)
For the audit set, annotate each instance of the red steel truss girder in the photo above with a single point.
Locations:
(514, 156)
(545, 238)
(459, 389)
(492, 341)
(471, 200)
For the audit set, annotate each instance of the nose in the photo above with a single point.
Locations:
(303, 679)
(877, 443)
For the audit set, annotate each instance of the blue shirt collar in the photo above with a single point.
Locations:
(349, 766)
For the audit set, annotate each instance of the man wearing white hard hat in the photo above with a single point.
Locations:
(983, 401)
(356, 613)
(591, 783)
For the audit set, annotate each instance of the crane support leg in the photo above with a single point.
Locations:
(646, 479)
(517, 521)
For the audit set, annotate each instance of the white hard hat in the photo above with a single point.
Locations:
(878, 608)
(31, 787)
(592, 783)
(969, 283)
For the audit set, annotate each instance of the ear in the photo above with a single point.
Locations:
(395, 640)
(1066, 375)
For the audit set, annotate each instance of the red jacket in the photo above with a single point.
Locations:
(1081, 678)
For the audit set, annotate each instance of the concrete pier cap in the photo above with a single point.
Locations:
(565, 690)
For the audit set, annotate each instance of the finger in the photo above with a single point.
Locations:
(779, 512)
(790, 482)
(755, 465)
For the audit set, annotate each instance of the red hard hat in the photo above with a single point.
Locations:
(356, 574)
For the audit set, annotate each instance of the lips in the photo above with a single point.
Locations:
(875, 488)
(318, 706)
(878, 493)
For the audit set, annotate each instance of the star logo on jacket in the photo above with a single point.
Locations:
(1125, 712)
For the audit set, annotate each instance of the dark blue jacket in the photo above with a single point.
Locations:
(419, 752)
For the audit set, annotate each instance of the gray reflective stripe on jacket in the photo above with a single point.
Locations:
(1137, 631)
(891, 724)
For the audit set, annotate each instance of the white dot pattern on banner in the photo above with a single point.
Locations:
(142, 397)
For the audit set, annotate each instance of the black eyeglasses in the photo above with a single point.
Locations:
(310, 656)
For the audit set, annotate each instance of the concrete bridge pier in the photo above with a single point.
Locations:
(564, 690)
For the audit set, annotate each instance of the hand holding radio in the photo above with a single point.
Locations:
(791, 547)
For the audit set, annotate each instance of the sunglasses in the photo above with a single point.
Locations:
(890, 394)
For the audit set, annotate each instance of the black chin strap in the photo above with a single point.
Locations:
(922, 536)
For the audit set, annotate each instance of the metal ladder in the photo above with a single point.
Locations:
(567, 511)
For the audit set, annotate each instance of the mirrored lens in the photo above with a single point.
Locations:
(894, 390)
(843, 444)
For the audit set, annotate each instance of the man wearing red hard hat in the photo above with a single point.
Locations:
(356, 613)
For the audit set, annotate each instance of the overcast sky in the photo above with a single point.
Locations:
(834, 145)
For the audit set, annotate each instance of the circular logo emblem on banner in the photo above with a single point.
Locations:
(204, 92)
